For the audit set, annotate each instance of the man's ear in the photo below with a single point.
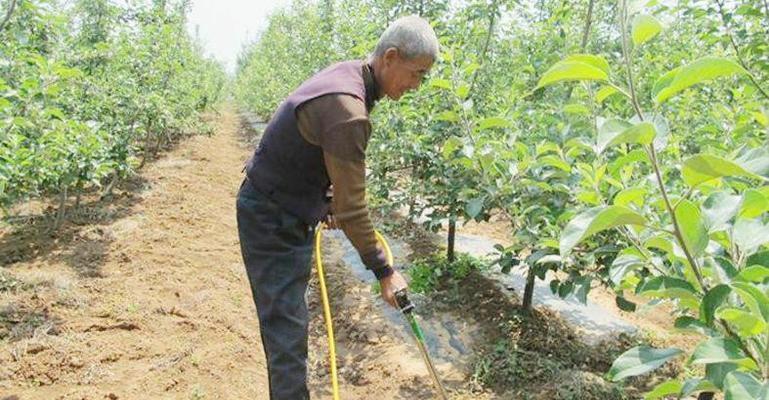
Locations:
(391, 55)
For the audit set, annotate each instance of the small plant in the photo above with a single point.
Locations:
(429, 273)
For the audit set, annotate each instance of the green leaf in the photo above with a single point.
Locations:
(66, 72)
(723, 267)
(595, 220)
(692, 228)
(462, 91)
(634, 195)
(761, 118)
(753, 273)
(712, 300)
(609, 134)
(596, 61)
(759, 258)
(449, 116)
(750, 234)
(702, 70)
(692, 324)
(608, 130)
(662, 131)
(754, 298)
(470, 69)
(663, 243)
(644, 28)
(671, 288)
(572, 71)
(640, 360)
(665, 80)
(604, 93)
(474, 207)
(718, 209)
(692, 385)
(704, 167)
(625, 304)
(747, 323)
(576, 109)
(554, 161)
(718, 350)
(493, 122)
(547, 147)
(717, 372)
(741, 386)
(755, 160)
(754, 203)
(440, 83)
(623, 264)
(664, 389)
(450, 145)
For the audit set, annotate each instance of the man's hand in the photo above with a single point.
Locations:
(390, 285)
(330, 221)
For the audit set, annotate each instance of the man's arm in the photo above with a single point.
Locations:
(339, 124)
(352, 214)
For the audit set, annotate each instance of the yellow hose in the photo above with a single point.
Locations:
(327, 307)
(327, 315)
(388, 253)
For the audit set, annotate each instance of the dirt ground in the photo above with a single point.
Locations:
(145, 296)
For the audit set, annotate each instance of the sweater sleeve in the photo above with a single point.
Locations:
(339, 124)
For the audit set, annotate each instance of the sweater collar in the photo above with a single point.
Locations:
(373, 91)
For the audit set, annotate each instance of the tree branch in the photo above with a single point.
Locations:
(628, 66)
(737, 50)
(8, 15)
(588, 22)
(585, 36)
(482, 58)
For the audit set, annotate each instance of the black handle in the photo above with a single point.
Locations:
(402, 298)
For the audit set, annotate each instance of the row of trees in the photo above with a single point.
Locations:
(625, 142)
(89, 90)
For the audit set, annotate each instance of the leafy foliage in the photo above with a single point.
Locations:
(89, 88)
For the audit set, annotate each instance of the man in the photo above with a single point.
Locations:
(316, 138)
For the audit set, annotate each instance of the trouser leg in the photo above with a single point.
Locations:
(277, 252)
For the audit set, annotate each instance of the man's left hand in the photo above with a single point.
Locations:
(330, 221)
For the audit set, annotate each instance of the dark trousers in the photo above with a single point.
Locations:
(277, 251)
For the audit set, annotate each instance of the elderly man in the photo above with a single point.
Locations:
(316, 140)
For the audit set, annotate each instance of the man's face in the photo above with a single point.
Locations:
(400, 74)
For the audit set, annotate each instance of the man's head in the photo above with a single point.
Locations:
(405, 53)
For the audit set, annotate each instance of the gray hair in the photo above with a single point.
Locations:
(411, 35)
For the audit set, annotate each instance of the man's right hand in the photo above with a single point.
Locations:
(391, 284)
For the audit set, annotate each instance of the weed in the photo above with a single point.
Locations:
(429, 273)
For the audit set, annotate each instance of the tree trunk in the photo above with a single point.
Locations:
(528, 292)
(61, 213)
(108, 190)
(147, 145)
(452, 234)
